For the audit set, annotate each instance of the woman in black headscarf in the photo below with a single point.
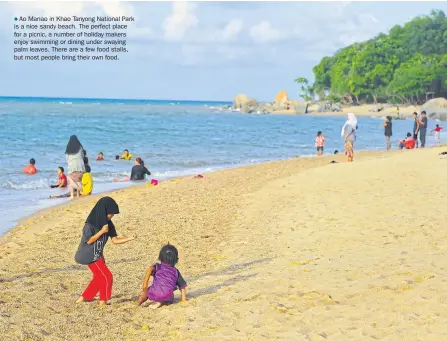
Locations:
(97, 230)
(76, 166)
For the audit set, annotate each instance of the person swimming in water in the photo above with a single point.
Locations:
(100, 157)
(126, 155)
(30, 168)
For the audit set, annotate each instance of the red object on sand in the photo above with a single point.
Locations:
(200, 176)
(154, 182)
(409, 144)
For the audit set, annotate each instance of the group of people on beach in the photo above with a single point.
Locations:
(98, 228)
(348, 132)
(350, 127)
(79, 179)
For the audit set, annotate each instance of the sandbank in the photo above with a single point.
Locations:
(299, 249)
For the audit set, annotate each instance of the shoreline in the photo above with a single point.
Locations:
(48, 209)
(264, 248)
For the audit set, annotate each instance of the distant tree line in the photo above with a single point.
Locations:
(394, 67)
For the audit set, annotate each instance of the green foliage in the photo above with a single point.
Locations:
(308, 91)
(391, 66)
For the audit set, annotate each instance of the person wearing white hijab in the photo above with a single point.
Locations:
(348, 132)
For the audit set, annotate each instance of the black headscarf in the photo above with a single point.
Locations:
(73, 145)
(98, 215)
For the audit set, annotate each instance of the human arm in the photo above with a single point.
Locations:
(121, 240)
(147, 171)
(96, 236)
(183, 295)
(181, 284)
(146, 279)
(132, 173)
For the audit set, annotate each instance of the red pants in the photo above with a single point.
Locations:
(102, 282)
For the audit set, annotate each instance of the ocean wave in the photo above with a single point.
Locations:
(65, 102)
(36, 184)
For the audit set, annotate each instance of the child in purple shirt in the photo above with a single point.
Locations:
(166, 279)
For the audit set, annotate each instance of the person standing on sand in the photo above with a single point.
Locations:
(348, 132)
(97, 230)
(423, 128)
(319, 143)
(388, 125)
(437, 131)
(76, 166)
(416, 128)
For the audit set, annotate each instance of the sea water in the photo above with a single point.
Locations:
(174, 138)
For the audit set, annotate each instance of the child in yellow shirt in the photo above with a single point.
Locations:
(126, 155)
(87, 182)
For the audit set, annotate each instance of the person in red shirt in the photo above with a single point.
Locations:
(62, 179)
(408, 143)
(30, 168)
(437, 131)
(100, 157)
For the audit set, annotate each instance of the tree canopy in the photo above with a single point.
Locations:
(391, 67)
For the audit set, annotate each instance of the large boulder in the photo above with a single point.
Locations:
(436, 108)
(240, 100)
(280, 99)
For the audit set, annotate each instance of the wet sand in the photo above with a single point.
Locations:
(292, 250)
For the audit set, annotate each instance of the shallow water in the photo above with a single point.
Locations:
(173, 138)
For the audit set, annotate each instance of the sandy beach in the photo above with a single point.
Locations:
(292, 250)
(369, 110)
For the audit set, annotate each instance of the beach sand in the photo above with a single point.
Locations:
(360, 110)
(293, 250)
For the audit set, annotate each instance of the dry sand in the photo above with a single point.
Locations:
(360, 110)
(292, 250)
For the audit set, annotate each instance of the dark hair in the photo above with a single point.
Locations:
(117, 157)
(139, 160)
(423, 113)
(389, 118)
(318, 133)
(437, 125)
(336, 152)
(85, 152)
(62, 169)
(168, 254)
(32, 161)
(87, 169)
(126, 150)
(101, 153)
(408, 134)
(415, 113)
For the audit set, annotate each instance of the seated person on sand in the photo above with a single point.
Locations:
(61, 180)
(100, 157)
(30, 168)
(85, 188)
(408, 143)
(126, 155)
(166, 279)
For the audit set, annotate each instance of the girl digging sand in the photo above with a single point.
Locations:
(166, 279)
(97, 230)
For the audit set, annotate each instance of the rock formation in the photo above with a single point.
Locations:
(240, 100)
(436, 108)
(280, 99)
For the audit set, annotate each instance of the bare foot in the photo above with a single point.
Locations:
(155, 305)
(102, 304)
(80, 299)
